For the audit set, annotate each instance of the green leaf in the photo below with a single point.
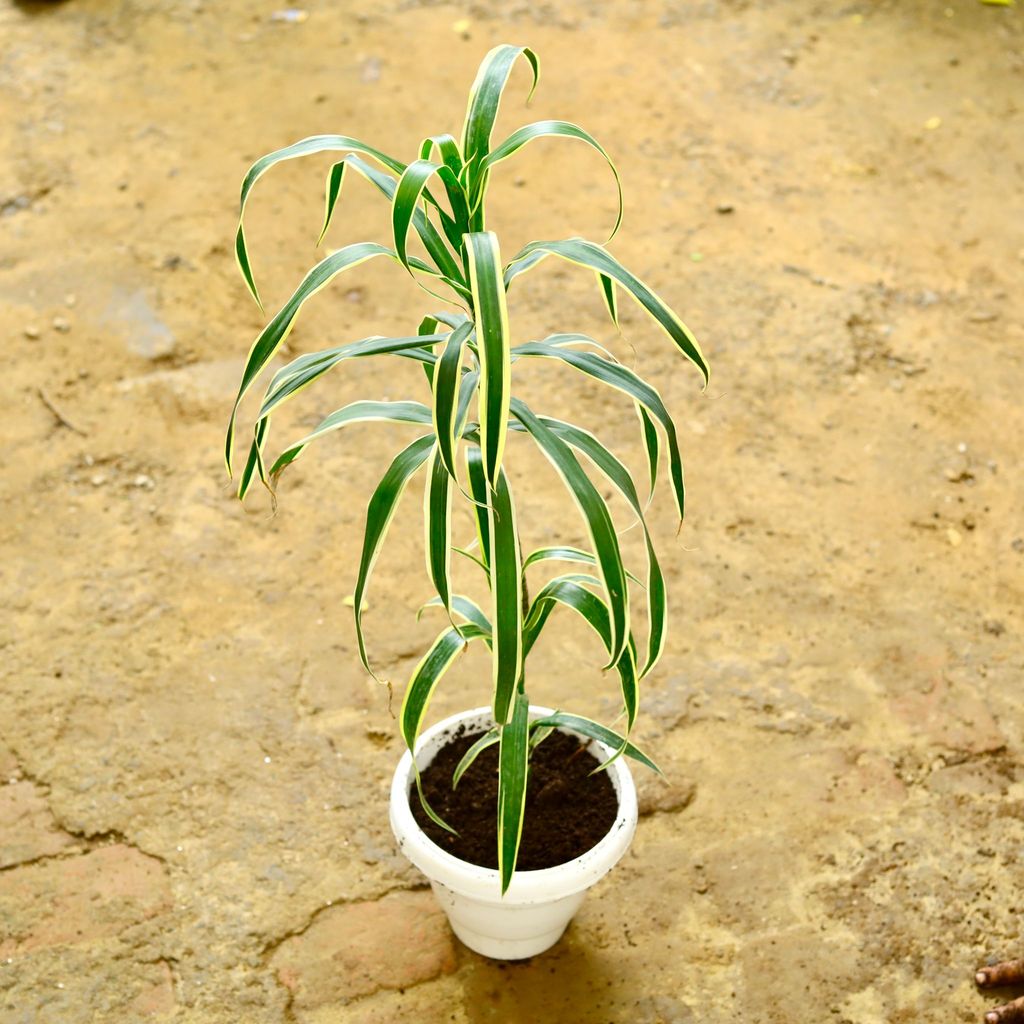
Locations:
(588, 254)
(305, 147)
(355, 412)
(407, 198)
(306, 369)
(446, 385)
(448, 149)
(437, 525)
(507, 598)
(595, 513)
(568, 590)
(493, 341)
(271, 337)
(513, 767)
(616, 472)
(484, 99)
(468, 609)
(379, 514)
(427, 674)
(332, 192)
(557, 129)
(451, 272)
(564, 554)
(479, 491)
(611, 297)
(652, 445)
(488, 739)
(594, 731)
(622, 379)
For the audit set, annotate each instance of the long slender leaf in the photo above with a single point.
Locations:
(479, 492)
(622, 379)
(437, 527)
(355, 412)
(616, 472)
(553, 129)
(446, 388)
(492, 334)
(332, 193)
(595, 513)
(304, 147)
(513, 767)
(594, 731)
(569, 591)
(507, 598)
(564, 554)
(488, 739)
(379, 514)
(271, 337)
(588, 254)
(306, 369)
(427, 674)
(467, 608)
(484, 99)
(407, 196)
(445, 262)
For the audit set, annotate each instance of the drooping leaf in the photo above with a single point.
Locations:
(492, 335)
(332, 193)
(569, 590)
(488, 739)
(594, 731)
(448, 267)
(484, 99)
(513, 767)
(355, 412)
(379, 514)
(437, 526)
(446, 386)
(468, 609)
(304, 147)
(271, 337)
(308, 368)
(553, 129)
(595, 514)
(595, 257)
(622, 379)
(427, 674)
(407, 197)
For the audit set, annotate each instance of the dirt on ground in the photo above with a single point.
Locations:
(193, 825)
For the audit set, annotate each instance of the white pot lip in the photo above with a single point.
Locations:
(485, 883)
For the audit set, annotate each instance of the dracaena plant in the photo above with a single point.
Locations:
(468, 355)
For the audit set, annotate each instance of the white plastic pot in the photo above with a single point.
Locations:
(538, 905)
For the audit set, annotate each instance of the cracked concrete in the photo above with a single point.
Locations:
(193, 770)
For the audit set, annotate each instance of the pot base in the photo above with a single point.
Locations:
(505, 932)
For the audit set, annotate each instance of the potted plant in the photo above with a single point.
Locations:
(467, 355)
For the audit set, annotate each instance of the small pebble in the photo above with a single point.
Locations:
(70, 300)
(61, 324)
(292, 15)
(32, 332)
(954, 537)
(142, 480)
(98, 479)
(724, 208)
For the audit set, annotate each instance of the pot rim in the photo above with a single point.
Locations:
(482, 883)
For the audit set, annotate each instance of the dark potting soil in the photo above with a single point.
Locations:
(568, 810)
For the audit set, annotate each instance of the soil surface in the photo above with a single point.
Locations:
(194, 826)
(568, 809)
